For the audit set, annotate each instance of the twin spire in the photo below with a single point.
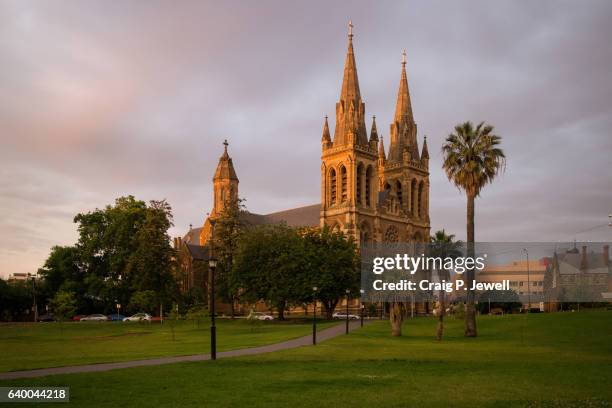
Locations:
(350, 112)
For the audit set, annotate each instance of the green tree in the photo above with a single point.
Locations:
(444, 246)
(229, 226)
(333, 263)
(270, 266)
(63, 306)
(472, 159)
(143, 301)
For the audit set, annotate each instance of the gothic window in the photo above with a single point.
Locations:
(364, 233)
(343, 185)
(359, 183)
(332, 186)
(420, 203)
(391, 235)
(413, 192)
(398, 189)
(368, 184)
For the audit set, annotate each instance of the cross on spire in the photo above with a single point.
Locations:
(404, 57)
(350, 25)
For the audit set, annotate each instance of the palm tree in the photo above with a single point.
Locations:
(472, 159)
(443, 246)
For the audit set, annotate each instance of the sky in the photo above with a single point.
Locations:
(102, 99)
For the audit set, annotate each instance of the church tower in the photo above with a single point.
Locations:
(225, 191)
(366, 193)
(349, 169)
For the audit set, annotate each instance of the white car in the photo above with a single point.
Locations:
(138, 317)
(94, 318)
(262, 316)
(342, 316)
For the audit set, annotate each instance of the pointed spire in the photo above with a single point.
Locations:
(374, 131)
(425, 153)
(326, 138)
(350, 83)
(403, 108)
(225, 168)
(381, 149)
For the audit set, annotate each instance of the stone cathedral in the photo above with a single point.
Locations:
(367, 193)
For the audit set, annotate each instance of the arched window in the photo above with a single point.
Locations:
(398, 190)
(420, 204)
(413, 201)
(332, 186)
(368, 188)
(343, 185)
(359, 184)
(364, 233)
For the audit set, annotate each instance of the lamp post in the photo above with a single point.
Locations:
(314, 316)
(212, 263)
(348, 292)
(361, 305)
(528, 282)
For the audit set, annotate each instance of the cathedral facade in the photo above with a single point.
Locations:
(367, 193)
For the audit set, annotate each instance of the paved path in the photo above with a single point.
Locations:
(90, 368)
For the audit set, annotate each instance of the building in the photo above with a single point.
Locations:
(367, 193)
(525, 278)
(578, 276)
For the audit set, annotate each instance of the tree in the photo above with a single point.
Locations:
(443, 246)
(333, 265)
(63, 306)
(143, 301)
(472, 159)
(229, 226)
(270, 266)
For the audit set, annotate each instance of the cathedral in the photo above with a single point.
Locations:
(366, 192)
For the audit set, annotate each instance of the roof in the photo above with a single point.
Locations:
(571, 262)
(198, 252)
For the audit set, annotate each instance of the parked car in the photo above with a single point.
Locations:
(94, 318)
(138, 317)
(116, 317)
(77, 318)
(48, 317)
(262, 316)
(342, 316)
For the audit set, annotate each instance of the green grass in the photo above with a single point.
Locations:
(540, 360)
(28, 346)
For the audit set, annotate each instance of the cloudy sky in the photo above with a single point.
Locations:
(103, 99)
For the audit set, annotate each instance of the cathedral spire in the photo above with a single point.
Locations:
(403, 108)
(374, 131)
(326, 138)
(425, 153)
(225, 168)
(381, 150)
(350, 109)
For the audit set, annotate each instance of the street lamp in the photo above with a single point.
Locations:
(212, 264)
(314, 316)
(348, 292)
(361, 305)
(528, 282)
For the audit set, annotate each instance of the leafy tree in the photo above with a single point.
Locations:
(270, 266)
(332, 262)
(15, 299)
(63, 306)
(443, 246)
(143, 301)
(472, 159)
(229, 226)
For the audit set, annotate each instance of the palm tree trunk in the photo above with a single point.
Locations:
(470, 311)
(396, 317)
(440, 332)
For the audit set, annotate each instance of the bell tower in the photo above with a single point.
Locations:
(349, 162)
(225, 191)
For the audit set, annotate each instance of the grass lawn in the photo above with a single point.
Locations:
(26, 346)
(540, 360)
